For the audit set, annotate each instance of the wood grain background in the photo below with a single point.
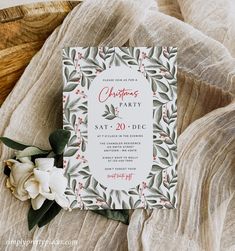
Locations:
(23, 30)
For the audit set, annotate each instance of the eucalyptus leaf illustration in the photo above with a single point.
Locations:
(110, 112)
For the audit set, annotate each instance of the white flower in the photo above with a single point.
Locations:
(40, 182)
(48, 182)
(20, 173)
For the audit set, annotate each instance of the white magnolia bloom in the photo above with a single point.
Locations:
(40, 182)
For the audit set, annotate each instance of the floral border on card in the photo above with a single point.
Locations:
(158, 64)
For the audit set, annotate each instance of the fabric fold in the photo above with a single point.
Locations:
(199, 55)
(205, 189)
(215, 18)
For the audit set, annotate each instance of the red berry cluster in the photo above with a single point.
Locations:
(98, 71)
(165, 177)
(79, 56)
(65, 164)
(144, 185)
(80, 185)
(80, 93)
(82, 158)
(164, 112)
(144, 55)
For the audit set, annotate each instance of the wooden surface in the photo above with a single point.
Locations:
(23, 30)
(11, 3)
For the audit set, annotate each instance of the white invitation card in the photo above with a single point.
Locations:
(119, 104)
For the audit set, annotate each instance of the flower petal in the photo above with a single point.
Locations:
(62, 201)
(44, 164)
(26, 160)
(37, 202)
(20, 173)
(58, 182)
(20, 191)
(49, 196)
(43, 179)
(8, 183)
(10, 162)
(32, 187)
(19, 170)
(21, 195)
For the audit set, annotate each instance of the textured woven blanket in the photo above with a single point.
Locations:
(204, 33)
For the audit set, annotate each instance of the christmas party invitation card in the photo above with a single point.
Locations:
(119, 104)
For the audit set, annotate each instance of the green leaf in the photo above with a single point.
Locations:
(30, 151)
(70, 87)
(74, 184)
(152, 201)
(107, 108)
(125, 57)
(131, 49)
(66, 51)
(168, 76)
(73, 204)
(164, 161)
(153, 72)
(164, 96)
(112, 109)
(117, 215)
(162, 86)
(7, 171)
(169, 206)
(157, 103)
(94, 52)
(158, 52)
(66, 73)
(163, 152)
(67, 63)
(137, 203)
(70, 152)
(83, 81)
(154, 86)
(76, 79)
(50, 214)
(158, 180)
(86, 54)
(83, 145)
(150, 184)
(13, 144)
(137, 54)
(158, 115)
(110, 117)
(58, 140)
(124, 49)
(72, 74)
(133, 192)
(83, 108)
(154, 151)
(157, 168)
(34, 216)
(150, 53)
(88, 72)
(73, 54)
(132, 63)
